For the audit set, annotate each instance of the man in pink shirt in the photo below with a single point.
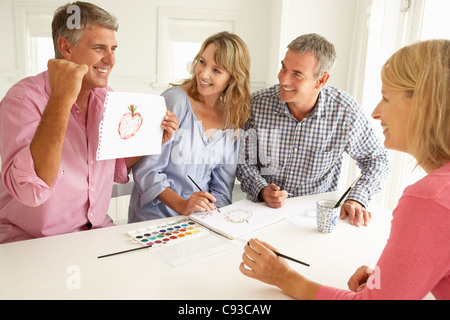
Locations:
(49, 131)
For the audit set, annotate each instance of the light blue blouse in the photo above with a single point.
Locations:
(210, 162)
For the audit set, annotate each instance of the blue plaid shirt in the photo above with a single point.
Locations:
(306, 157)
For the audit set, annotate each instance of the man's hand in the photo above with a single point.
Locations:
(65, 78)
(358, 214)
(273, 196)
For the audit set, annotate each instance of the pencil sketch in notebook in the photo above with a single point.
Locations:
(239, 218)
(125, 132)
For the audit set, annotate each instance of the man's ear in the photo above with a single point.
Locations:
(322, 81)
(65, 47)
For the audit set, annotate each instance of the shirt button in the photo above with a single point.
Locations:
(92, 162)
(92, 189)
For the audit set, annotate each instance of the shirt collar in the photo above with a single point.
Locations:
(319, 109)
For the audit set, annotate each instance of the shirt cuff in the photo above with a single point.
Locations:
(23, 183)
(121, 174)
(359, 195)
(257, 187)
(151, 195)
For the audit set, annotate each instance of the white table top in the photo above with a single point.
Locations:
(46, 268)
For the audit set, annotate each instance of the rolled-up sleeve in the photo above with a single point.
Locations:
(121, 173)
(19, 119)
(149, 176)
(22, 183)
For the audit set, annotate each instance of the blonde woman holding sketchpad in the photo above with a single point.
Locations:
(211, 106)
(415, 116)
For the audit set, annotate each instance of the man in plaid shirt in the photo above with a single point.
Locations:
(297, 134)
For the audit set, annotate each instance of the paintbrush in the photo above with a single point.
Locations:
(346, 192)
(202, 190)
(120, 252)
(285, 256)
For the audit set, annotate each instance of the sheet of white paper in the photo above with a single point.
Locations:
(305, 216)
(131, 125)
(240, 218)
(193, 249)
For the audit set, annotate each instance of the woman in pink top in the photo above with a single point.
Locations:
(415, 115)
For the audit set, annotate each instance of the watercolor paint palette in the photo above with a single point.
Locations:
(169, 233)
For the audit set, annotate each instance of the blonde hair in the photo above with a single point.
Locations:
(422, 71)
(233, 56)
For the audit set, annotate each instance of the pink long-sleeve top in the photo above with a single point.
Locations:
(416, 259)
(79, 197)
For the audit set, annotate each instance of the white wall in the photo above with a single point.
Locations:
(8, 62)
(267, 27)
(333, 19)
(137, 36)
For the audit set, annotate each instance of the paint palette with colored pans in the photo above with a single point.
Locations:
(169, 233)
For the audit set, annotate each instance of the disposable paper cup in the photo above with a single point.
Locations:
(327, 215)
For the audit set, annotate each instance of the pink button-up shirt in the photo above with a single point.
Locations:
(81, 193)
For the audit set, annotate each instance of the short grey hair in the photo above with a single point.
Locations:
(90, 15)
(324, 51)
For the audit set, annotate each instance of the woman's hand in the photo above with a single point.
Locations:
(198, 201)
(359, 279)
(170, 125)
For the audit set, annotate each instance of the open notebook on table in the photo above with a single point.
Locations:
(239, 218)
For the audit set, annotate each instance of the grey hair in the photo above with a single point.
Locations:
(89, 15)
(324, 51)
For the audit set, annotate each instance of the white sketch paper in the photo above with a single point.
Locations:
(239, 218)
(131, 125)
